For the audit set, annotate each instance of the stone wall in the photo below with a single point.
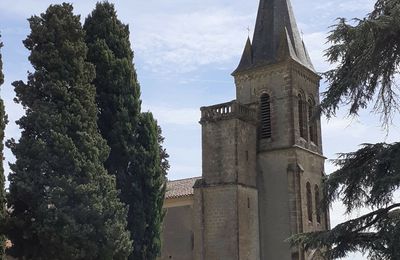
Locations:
(226, 200)
(249, 245)
(229, 141)
(228, 217)
(177, 234)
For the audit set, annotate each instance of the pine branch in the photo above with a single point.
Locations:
(366, 178)
(349, 236)
(368, 54)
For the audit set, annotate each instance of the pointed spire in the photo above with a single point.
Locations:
(247, 57)
(275, 22)
(285, 49)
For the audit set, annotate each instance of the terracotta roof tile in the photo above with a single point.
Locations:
(180, 188)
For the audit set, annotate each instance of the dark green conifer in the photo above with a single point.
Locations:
(3, 212)
(148, 189)
(118, 100)
(63, 203)
(117, 89)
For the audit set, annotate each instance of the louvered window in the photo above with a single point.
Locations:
(265, 113)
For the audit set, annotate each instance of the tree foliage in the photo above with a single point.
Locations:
(148, 189)
(3, 121)
(63, 203)
(368, 56)
(139, 171)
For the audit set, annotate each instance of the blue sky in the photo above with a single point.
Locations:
(185, 51)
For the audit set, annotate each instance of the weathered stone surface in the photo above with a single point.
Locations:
(178, 242)
(226, 199)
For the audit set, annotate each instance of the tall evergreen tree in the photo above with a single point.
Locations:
(118, 99)
(64, 204)
(3, 212)
(368, 56)
(148, 189)
(117, 88)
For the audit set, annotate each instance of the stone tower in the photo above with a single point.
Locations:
(262, 153)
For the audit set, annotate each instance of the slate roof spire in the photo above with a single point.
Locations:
(247, 56)
(275, 29)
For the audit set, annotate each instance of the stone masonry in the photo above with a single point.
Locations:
(263, 162)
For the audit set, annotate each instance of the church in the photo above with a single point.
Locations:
(262, 159)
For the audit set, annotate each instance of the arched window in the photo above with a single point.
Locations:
(309, 202)
(265, 114)
(317, 204)
(302, 116)
(312, 125)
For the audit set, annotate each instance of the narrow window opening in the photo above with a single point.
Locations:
(317, 204)
(265, 114)
(309, 202)
(247, 155)
(301, 115)
(192, 240)
(312, 121)
(248, 203)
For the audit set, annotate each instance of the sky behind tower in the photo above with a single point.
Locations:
(185, 51)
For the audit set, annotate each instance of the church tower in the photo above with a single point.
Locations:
(262, 153)
(276, 75)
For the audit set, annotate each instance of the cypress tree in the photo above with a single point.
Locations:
(64, 204)
(148, 189)
(118, 99)
(3, 212)
(117, 88)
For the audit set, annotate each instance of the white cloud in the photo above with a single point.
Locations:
(315, 44)
(345, 6)
(352, 127)
(27, 8)
(343, 135)
(173, 115)
(183, 42)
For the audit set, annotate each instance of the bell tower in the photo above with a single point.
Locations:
(262, 153)
(276, 76)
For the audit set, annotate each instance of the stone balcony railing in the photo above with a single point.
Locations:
(228, 110)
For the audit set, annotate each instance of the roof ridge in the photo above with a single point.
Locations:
(189, 178)
(181, 188)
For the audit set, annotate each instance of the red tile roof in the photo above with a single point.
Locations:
(180, 188)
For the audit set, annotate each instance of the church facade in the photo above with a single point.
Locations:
(263, 163)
